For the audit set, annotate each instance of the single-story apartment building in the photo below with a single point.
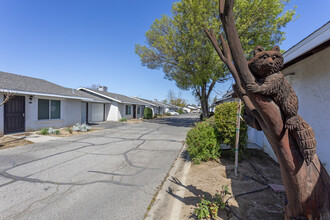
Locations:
(37, 103)
(228, 97)
(157, 108)
(121, 106)
(307, 67)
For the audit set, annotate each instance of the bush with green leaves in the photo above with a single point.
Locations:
(203, 142)
(68, 129)
(225, 120)
(44, 131)
(147, 113)
(180, 111)
(54, 131)
(81, 127)
(122, 119)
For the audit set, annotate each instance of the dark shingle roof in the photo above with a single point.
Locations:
(113, 96)
(150, 102)
(19, 83)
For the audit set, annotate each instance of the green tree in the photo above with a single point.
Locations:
(178, 102)
(177, 44)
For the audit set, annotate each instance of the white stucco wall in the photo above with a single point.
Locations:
(311, 82)
(1, 115)
(70, 114)
(123, 111)
(114, 113)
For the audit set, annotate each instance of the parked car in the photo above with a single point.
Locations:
(173, 112)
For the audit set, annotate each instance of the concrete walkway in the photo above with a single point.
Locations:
(110, 174)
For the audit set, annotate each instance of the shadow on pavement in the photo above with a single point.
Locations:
(178, 121)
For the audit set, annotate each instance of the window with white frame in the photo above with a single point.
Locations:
(49, 109)
(128, 110)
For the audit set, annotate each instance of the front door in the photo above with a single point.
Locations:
(14, 115)
(134, 111)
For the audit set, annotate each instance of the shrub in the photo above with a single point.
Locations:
(225, 120)
(167, 114)
(44, 131)
(180, 111)
(209, 208)
(53, 131)
(202, 141)
(147, 113)
(80, 127)
(123, 119)
(68, 129)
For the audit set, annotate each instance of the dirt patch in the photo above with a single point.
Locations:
(8, 142)
(65, 132)
(133, 121)
(206, 178)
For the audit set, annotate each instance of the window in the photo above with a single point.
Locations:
(138, 110)
(128, 109)
(49, 109)
(43, 109)
(55, 107)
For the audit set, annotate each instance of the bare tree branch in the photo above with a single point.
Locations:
(225, 56)
(7, 95)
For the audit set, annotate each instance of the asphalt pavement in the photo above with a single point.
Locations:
(109, 174)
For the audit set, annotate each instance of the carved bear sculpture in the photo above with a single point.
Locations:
(266, 66)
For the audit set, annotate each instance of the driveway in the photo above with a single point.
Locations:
(109, 174)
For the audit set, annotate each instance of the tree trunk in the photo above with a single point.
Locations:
(306, 185)
(204, 102)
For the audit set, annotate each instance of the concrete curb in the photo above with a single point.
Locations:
(166, 206)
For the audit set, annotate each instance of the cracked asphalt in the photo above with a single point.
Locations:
(109, 174)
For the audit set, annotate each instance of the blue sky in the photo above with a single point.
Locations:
(83, 42)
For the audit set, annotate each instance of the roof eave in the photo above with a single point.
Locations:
(47, 94)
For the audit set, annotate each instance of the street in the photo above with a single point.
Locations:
(107, 174)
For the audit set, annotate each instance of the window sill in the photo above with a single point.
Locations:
(41, 121)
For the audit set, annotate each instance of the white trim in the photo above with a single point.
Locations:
(48, 95)
(144, 101)
(313, 40)
(108, 97)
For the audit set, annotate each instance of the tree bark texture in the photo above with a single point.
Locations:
(306, 183)
(204, 98)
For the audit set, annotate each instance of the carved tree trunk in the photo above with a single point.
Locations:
(306, 186)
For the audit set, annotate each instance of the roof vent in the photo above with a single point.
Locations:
(103, 88)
